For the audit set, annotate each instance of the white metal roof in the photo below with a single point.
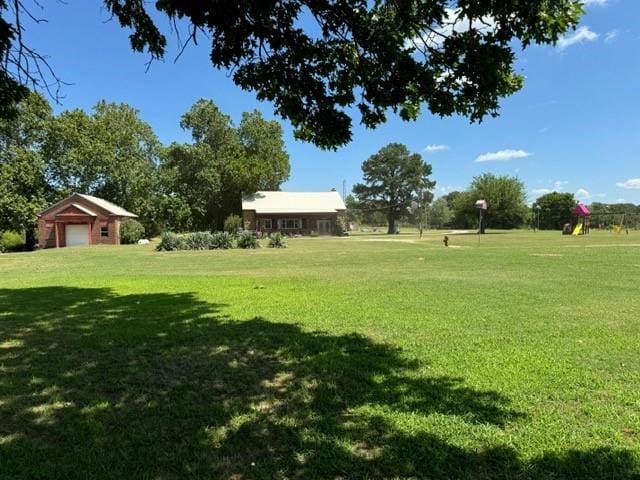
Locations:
(293, 202)
(108, 206)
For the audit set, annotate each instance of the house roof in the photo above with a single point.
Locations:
(79, 207)
(293, 202)
(108, 206)
(112, 208)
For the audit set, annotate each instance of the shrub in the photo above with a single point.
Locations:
(171, 241)
(233, 224)
(198, 241)
(131, 231)
(247, 240)
(222, 240)
(342, 228)
(277, 240)
(11, 241)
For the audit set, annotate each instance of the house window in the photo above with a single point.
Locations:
(104, 232)
(266, 223)
(289, 223)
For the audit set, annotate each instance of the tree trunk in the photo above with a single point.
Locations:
(30, 239)
(392, 224)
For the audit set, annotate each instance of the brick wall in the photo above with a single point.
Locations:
(308, 221)
(66, 213)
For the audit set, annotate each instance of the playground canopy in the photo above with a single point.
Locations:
(581, 210)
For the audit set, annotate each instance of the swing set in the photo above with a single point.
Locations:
(616, 222)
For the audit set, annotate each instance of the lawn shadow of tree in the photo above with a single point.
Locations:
(99, 385)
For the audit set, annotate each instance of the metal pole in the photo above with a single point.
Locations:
(479, 226)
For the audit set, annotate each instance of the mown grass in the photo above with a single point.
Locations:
(367, 357)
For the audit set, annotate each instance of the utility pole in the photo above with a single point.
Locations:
(344, 189)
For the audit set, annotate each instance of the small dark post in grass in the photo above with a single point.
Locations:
(445, 241)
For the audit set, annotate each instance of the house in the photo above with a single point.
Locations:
(81, 220)
(301, 213)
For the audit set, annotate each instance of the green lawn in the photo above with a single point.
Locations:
(365, 357)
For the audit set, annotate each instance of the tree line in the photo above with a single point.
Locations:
(112, 153)
(397, 189)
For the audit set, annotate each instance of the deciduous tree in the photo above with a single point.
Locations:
(23, 187)
(224, 162)
(506, 199)
(554, 209)
(111, 153)
(317, 60)
(393, 177)
(439, 213)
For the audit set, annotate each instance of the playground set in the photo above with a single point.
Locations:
(581, 221)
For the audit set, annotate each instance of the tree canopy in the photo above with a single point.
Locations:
(506, 199)
(554, 210)
(224, 162)
(114, 154)
(318, 60)
(23, 188)
(439, 213)
(393, 178)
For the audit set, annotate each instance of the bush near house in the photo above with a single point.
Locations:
(247, 240)
(11, 241)
(277, 240)
(233, 224)
(199, 241)
(222, 240)
(171, 241)
(196, 241)
(342, 228)
(131, 231)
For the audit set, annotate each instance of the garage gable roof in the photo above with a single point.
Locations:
(109, 207)
(293, 202)
(106, 205)
(79, 207)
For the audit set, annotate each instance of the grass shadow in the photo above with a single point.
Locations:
(99, 385)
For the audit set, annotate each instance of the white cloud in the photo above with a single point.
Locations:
(558, 185)
(436, 148)
(595, 2)
(632, 183)
(543, 130)
(541, 191)
(502, 155)
(449, 188)
(611, 36)
(582, 194)
(620, 200)
(581, 35)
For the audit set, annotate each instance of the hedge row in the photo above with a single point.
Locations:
(213, 241)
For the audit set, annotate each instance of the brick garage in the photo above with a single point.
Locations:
(293, 213)
(81, 220)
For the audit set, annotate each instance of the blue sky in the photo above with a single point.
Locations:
(574, 127)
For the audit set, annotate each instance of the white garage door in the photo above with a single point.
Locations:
(76, 235)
